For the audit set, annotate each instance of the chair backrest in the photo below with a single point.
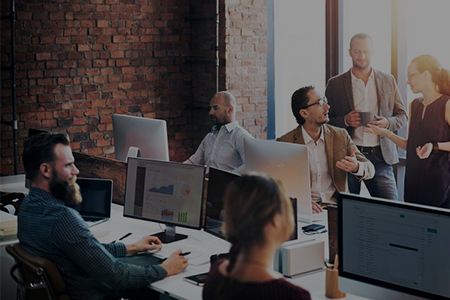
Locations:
(39, 276)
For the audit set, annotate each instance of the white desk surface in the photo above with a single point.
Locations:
(175, 286)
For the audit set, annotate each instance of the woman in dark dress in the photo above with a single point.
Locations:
(258, 219)
(427, 179)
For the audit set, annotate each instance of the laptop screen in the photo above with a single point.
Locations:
(217, 184)
(97, 197)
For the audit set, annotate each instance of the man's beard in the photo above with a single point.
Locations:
(68, 191)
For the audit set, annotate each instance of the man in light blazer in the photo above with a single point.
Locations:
(363, 89)
(331, 152)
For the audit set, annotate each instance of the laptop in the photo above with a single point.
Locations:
(217, 184)
(97, 199)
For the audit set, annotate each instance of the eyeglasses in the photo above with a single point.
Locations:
(321, 102)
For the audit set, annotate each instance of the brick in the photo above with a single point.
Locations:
(43, 56)
(79, 121)
(84, 47)
(62, 40)
(35, 74)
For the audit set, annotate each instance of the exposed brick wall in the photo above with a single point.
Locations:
(245, 61)
(80, 61)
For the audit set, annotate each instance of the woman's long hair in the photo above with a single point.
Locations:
(250, 203)
(439, 75)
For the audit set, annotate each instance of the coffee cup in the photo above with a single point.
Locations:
(366, 117)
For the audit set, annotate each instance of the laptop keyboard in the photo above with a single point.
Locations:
(94, 221)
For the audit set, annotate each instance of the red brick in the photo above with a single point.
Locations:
(35, 74)
(79, 121)
(62, 40)
(84, 47)
(45, 98)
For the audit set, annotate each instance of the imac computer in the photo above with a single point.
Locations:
(140, 137)
(287, 162)
(165, 192)
(393, 250)
(217, 184)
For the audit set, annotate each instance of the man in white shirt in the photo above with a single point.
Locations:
(364, 89)
(223, 147)
(331, 152)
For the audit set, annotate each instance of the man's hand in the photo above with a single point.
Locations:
(144, 244)
(349, 163)
(175, 263)
(353, 118)
(316, 208)
(424, 151)
(381, 122)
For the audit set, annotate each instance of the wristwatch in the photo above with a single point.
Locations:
(435, 147)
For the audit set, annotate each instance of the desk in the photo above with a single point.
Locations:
(174, 286)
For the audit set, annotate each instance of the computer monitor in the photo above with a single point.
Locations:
(285, 161)
(140, 137)
(165, 192)
(218, 182)
(393, 250)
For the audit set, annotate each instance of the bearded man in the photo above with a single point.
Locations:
(48, 228)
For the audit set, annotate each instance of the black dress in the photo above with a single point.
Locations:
(427, 180)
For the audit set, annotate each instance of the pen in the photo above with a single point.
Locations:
(125, 236)
(336, 262)
(181, 254)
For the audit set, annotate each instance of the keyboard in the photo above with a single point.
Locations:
(94, 221)
(310, 218)
(211, 224)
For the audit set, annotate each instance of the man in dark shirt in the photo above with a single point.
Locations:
(50, 229)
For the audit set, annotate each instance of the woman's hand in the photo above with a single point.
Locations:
(376, 130)
(424, 151)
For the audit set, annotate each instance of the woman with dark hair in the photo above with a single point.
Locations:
(258, 219)
(427, 179)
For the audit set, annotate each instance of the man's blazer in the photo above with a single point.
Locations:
(338, 144)
(339, 93)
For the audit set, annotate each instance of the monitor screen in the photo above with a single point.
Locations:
(164, 192)
(147, 135)
(285, 161)
(396, 246)
(217, 184)
(97, 197)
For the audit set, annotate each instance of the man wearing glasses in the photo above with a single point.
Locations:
(332, 153)
(364, 91)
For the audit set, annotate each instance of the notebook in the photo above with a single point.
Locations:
(97, 199)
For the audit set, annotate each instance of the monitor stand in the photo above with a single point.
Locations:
(169, 235)
(133, 152)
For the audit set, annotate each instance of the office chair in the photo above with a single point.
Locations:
(38, 276)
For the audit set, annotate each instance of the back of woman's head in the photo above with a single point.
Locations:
(439, 75)
(251, 201)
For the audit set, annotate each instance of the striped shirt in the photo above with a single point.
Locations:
(47, 228)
